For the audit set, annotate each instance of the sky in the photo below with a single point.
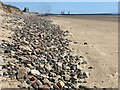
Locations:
(73, 7)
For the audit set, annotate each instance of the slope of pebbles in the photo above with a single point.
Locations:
(39, 56)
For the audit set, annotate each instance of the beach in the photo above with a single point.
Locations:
(57, 52)
(97, 40)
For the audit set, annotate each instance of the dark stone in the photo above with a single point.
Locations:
(85, 43)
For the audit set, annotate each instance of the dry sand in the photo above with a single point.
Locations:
(101, 34)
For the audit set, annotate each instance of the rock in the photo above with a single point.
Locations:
(23, 85)
(73, 80)
(47, 82)
(41, 49)
(30, 66)
(7, 51)
(52, 79)
(1, 67)
(1, 61)
(83, 62)
(62, 73)
(85, 43)
(86, 74)
(23, 58)
(90, 67)
(12, 64)
(21, 73)
(12, 53)
(72, 73)
(27, 69)
(55, 87)
(67, 67)
(44, 76)
(75, 42)
(67, 77)
(35, 72)
(60, 84)
(48, 67)
(42, 65)
(52, 74)
(26, 48)
(1, 73)
(59, 64)
(79, 67)
(73, 67)
(44, 87)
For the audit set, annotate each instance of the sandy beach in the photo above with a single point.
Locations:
(57, 52)
(97, 40)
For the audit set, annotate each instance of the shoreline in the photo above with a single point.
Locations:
(112, 18)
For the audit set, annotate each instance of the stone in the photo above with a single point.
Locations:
(30, 66)
(41, 49)
(48, 67)
(52, 74)
(67, 77)
(90, 67)
(35, 72)
(23, 58)
(85, 43)
(1, 61)
(55, 87)
(12, 64)
(12, 53)
(59, 64)
(21, 72)
(86, 74)
(60, 84)
(23, 85)
(52, 79)
(67, 67)
(44, 87)
(42, 65)
(1, 73)
(47, 82)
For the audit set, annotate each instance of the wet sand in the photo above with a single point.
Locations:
(101, 35)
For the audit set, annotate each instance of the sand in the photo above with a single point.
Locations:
(101, 51)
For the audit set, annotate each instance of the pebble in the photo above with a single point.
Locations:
(35, 72)
(40, 49)
(85, 43)
(47, 82)
(21, 72)
(48, 67)
(60, 84)
(30, 66)
(1, 61)
(67, 77)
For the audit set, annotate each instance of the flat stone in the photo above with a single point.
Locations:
(30, 66)
(35, 72)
